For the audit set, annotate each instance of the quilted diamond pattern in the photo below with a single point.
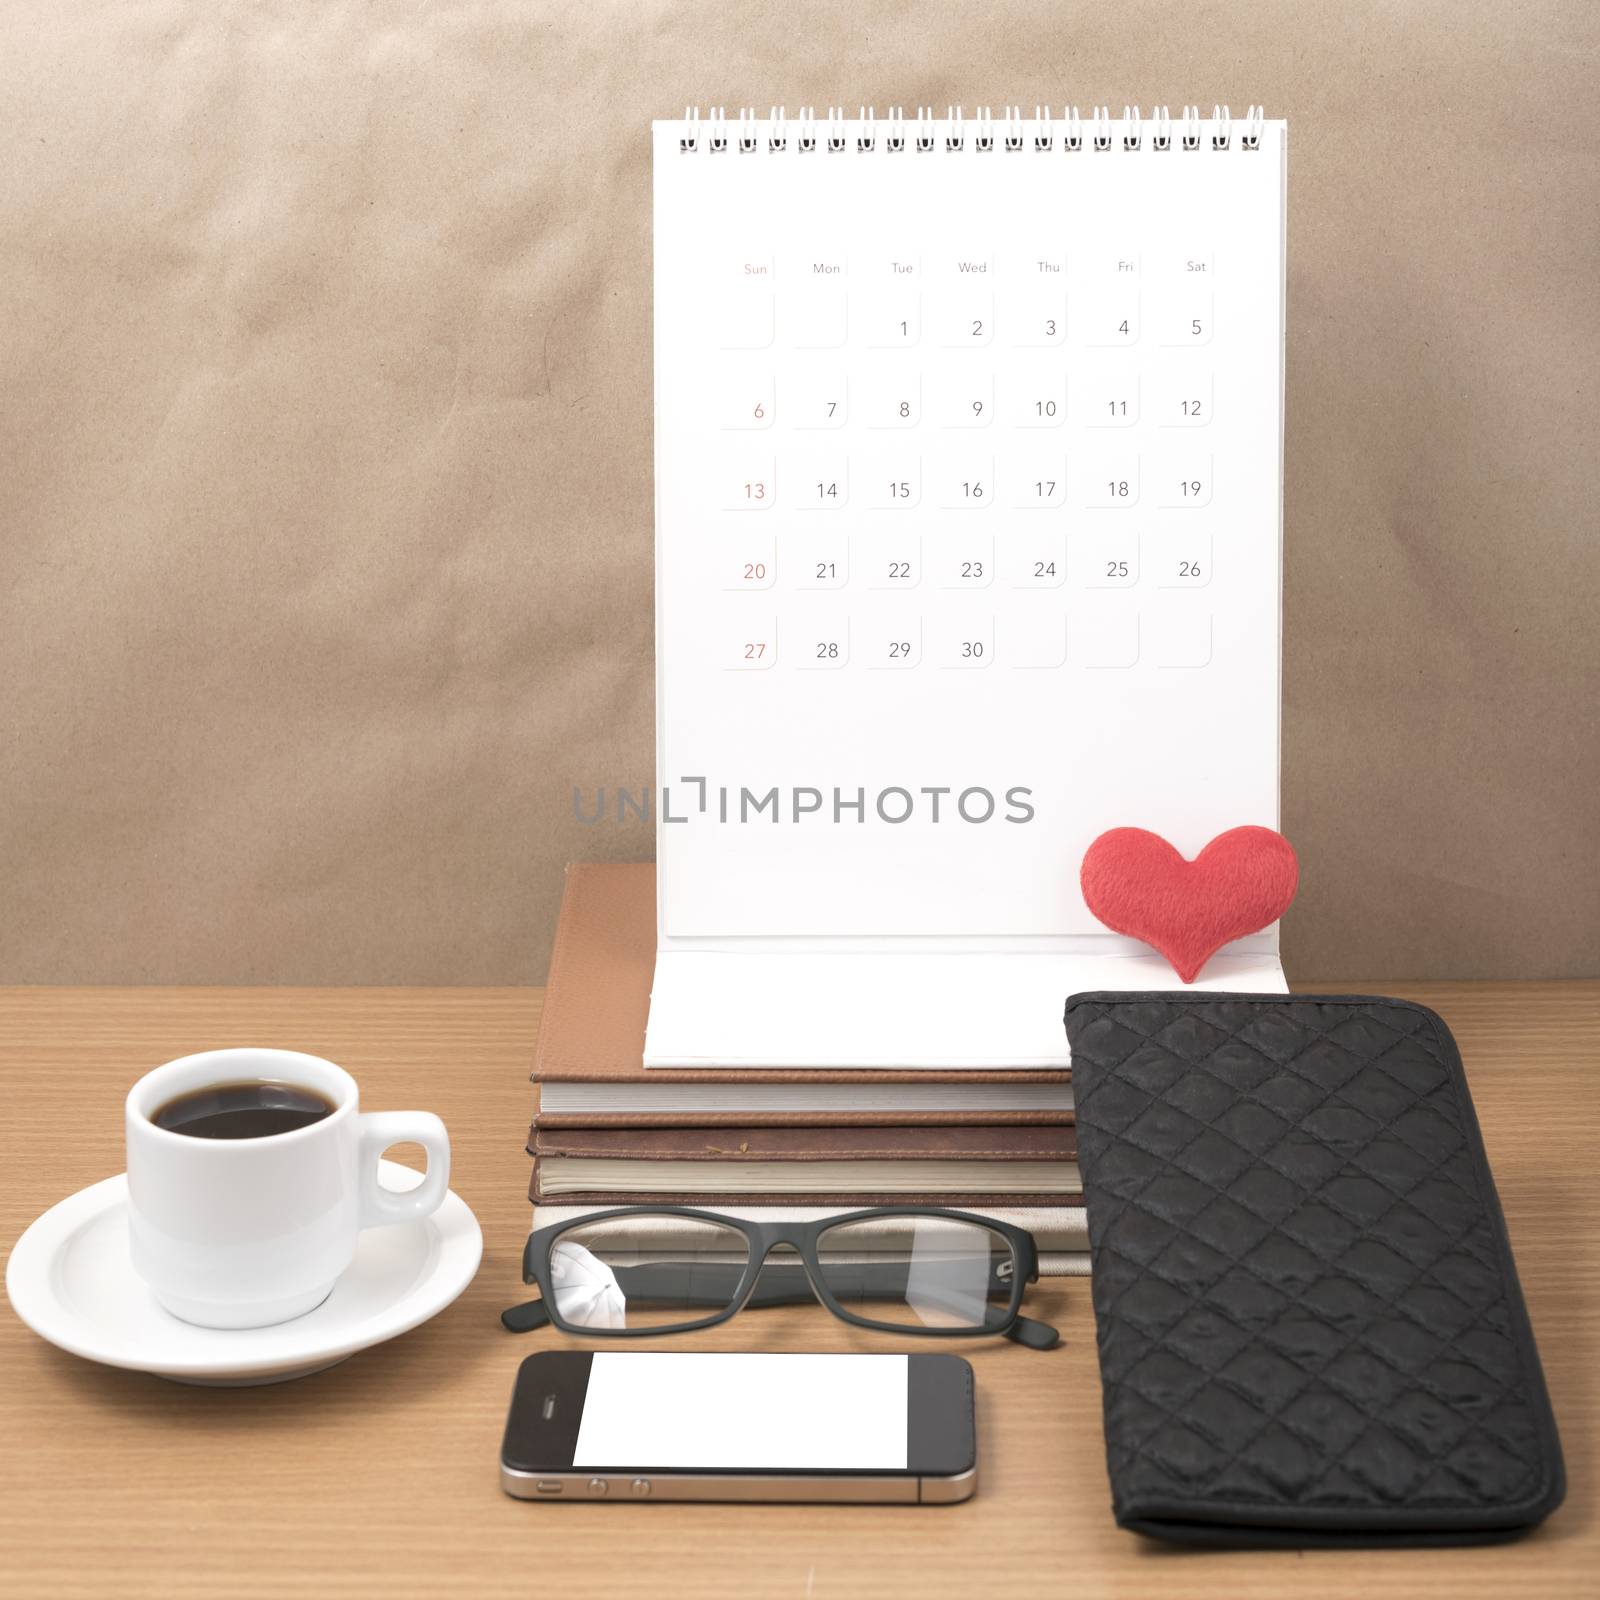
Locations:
(1306, 1309)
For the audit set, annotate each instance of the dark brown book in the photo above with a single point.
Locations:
(589, 1061)
(786, 1142)
(804, 1165)
(714, 1199)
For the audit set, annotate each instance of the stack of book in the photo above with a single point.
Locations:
(807, 1143)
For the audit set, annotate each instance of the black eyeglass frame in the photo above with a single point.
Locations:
(762, 1238)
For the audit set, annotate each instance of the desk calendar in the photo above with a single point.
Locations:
(968, 534)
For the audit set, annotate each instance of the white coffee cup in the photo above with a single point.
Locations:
(242, 1233)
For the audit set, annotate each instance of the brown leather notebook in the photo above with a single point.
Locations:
(589, 1062)
(962, 1200)
(802, 1144)
(790, 1165)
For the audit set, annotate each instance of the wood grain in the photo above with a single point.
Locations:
(379, 1477)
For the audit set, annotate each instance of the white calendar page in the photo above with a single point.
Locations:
(968, 544)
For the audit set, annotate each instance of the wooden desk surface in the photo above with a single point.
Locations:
(379, 1476)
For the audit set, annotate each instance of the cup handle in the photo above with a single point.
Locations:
(380, 1129)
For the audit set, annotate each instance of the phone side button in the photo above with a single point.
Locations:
(548, 1486)
(598, 1486)
(641, 1488)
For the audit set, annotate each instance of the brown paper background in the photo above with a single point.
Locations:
(325, 498)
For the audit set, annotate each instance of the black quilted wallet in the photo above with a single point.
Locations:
(1309, 1322)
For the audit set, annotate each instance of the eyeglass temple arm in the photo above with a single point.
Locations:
(530, 1316)
(1035, 1335)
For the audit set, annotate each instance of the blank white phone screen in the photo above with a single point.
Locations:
(761, 1412)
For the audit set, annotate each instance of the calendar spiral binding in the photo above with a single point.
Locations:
(833, 133)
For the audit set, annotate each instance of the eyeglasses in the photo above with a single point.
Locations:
(639, 1271)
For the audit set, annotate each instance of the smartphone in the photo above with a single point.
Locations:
(647, 1425)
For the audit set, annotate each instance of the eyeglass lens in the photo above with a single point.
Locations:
(646, 1271)
(930, 1272)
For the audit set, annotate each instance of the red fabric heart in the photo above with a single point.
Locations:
(1136, 883)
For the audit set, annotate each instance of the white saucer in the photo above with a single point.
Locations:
(70, 1280)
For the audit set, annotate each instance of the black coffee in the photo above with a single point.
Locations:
(243, 1110)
